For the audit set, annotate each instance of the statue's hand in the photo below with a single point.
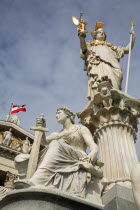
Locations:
(40, 122)
(92, 157)
(82, 34)
(133, 33)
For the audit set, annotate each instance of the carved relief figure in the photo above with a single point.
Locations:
(26, 147)
(64, 163)
(7, 137)
(102, 59)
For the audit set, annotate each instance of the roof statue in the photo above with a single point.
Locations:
(7, 137)
(13, 118)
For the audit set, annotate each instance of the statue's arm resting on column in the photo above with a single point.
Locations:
(90, 143)
(126, 49)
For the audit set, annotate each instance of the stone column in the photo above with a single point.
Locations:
(115, 133)
(112, 119)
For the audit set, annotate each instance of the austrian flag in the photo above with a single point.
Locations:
(17, 108)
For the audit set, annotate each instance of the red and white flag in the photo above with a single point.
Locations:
(17, 108)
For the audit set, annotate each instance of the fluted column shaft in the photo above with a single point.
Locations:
(117, 151)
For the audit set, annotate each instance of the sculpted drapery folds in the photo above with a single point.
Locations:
(64, 164)
(102, 59)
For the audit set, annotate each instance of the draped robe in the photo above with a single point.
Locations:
(102, 61)
(60, 164)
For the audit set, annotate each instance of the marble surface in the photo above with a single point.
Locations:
(36, 199)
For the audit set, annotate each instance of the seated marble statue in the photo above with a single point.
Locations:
(64, 164)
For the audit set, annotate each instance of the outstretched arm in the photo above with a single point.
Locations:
(126, 49)
(90, 143)
(82, 36)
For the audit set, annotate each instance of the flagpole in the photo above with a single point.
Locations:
(10, 109)
(128, 64)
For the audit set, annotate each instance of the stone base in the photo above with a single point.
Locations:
(119, 198)
(45, 199)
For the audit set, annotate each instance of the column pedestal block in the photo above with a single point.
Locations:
(119, 198)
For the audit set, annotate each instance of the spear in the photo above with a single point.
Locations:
(128, 64)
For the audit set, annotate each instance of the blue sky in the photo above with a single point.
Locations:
(40, 63)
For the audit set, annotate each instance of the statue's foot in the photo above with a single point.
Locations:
(22, 183)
